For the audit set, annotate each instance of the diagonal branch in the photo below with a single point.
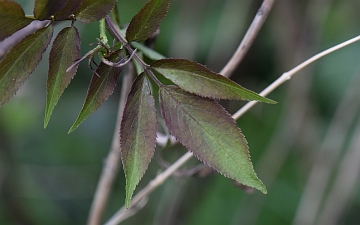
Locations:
(119, 215)
(249, 38)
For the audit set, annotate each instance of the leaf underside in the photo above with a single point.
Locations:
(94, 10)
(197, 79)
(44, 9)
(138, 133)
(70, 8)
(12, 18)
(64, 51)
(21, 61)
(208, 130)
(100, 88)
(147, 21)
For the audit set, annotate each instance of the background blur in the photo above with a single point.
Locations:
(305, 149)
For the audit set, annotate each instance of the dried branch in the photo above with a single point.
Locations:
(249, 38)
(111, 164)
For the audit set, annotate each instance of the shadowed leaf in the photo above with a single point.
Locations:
(199, 80)
(101, 87)
(64, 51)
(94, 10)
(70, 8)
(12, 18)
(21, 61)
(207, 130)
(45, 8)
(147, 21)
(138, 133)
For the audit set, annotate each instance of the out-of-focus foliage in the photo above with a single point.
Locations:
(47, 175)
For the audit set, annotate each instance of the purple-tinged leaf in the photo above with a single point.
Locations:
(147, 21)
(70, 8)
(21, 61)
(137, 133)
(64, 51)
(197, 79)
(94, 10)
(206, 129)
(12, 18)
(44, 9)
(101, 87)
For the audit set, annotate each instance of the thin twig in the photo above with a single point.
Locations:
(164, 175)
(249, 38)
(112, 161)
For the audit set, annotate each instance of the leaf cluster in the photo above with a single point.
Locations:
(188, 106)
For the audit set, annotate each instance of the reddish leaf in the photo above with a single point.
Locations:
(70, 8)
(44, 9)
(138, 133)
(94, 10)
(65, 50)
(207, 130)
(12, 18)
(147, 21)
(199, 80)
(101, 87)
(21, 61)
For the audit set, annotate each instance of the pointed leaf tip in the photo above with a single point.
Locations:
(137, 133)
(100, 88)
(197, 79)
(147, 21)
(64, 51)
(205, 128)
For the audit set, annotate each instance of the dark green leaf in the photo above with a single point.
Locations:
(138, 133)
(70, 8)
(101, 87)
(207, 130)
(147, 21)
(44, 9)
(21, 61)
(199, 80)
(12, 18)
(94, 10)
(65, 50)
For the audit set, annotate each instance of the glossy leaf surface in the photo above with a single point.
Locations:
(138, 133)
(70, 8)
(94, 10)
(21, 61)
(199, 80)
(44, 9)
(207, 130)
(12, 18)
(64, 51)
(147, 21)
(101, 87)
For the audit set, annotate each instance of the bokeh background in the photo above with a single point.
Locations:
(305, 149)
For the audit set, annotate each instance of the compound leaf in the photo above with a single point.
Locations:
(138, 133)
(12, 18)
(197, 79)
(94, 10)
(207, 130)
(21, 61)
(64, 51)
(101, 87)
(44, 9)
(147, 21)
(70, 8)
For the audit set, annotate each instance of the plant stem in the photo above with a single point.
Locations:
(118, 217)
(103, 36)
(249, 38)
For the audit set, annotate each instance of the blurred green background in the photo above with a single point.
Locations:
(305, 149)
